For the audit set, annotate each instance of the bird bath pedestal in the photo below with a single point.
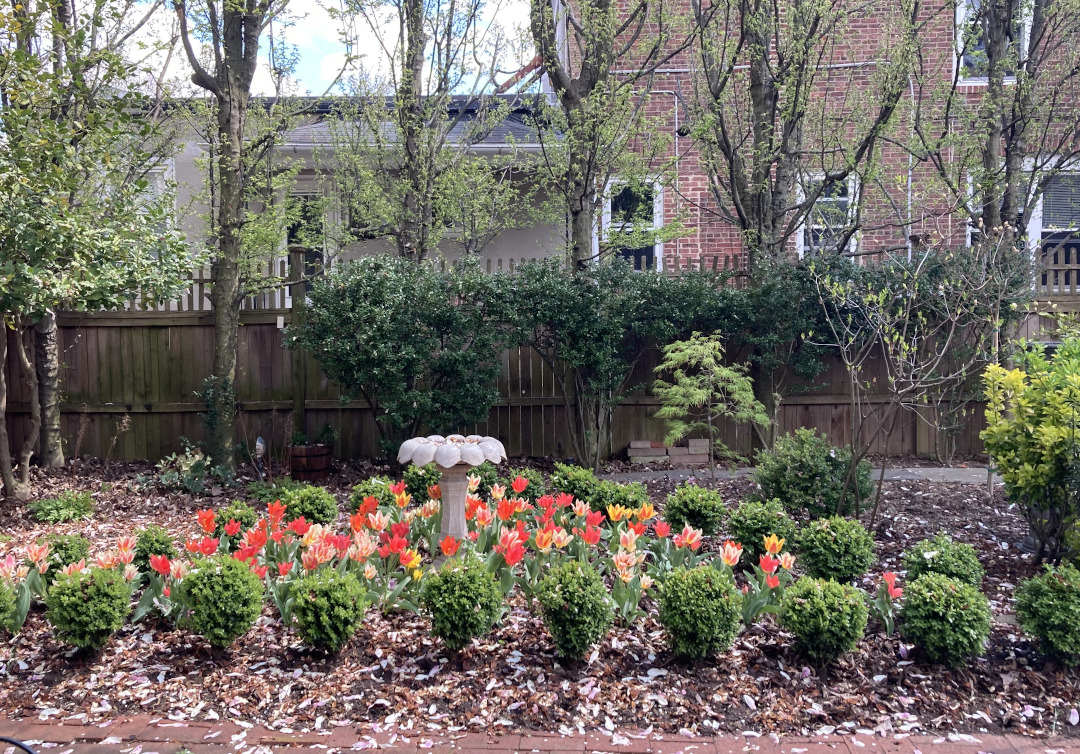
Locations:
(456, 455)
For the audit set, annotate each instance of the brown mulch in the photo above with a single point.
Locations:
(395, 673)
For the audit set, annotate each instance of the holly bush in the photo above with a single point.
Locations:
(420, 344)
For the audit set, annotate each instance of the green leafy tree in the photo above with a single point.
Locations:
(592, 327)
(78, 227)
(697, 390)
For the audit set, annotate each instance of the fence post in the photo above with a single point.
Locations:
(297, 271)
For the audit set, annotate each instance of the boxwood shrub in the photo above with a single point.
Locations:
(576, 607)
(827, 618)
(948, 619)
(86, 608)
(1048, 606)
(699, 610)
(462, 600)
(835, 548)
(945, 556)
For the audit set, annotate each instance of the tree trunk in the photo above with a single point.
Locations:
(225, 295)
(765, 393)
(47, 363)
(23, 354)
(12, 490)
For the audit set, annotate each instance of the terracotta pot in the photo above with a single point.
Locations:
(310, 463)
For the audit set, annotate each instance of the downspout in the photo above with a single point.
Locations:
(675, 110)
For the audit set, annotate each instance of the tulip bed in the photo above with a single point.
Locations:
(394, 670)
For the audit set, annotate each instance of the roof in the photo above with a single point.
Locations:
(516, 128)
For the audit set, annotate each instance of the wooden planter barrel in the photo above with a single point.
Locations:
(310, 463)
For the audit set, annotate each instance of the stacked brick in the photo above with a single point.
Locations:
(644, 451)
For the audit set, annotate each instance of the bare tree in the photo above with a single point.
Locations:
(600, 58)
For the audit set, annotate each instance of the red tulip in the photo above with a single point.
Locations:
(161, 564)
(591, 535)
(276, 513)
(519, 484)
(284, 568)
(563, 500)
(369, 505)
(400, 529)
(772, 581)
(206, 520)
(505, 510)
(259, 571)
(890, 582)
(192, 545)
(594, 518)
(662, 528)
(298, 526)
(208, 546)
(232, 528)
(449, 546)
(398, 488)
(638, 528)
(768, 563)
(255, 538)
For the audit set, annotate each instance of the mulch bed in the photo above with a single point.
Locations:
(394, 673)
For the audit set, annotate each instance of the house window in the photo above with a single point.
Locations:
(829, 220)
(636, 210)
(971, 40)
(1060, 235)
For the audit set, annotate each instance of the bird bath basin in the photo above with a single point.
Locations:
(455, 455)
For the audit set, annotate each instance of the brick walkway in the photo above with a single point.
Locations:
(147, 735)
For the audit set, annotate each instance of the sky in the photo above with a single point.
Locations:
(315, 35)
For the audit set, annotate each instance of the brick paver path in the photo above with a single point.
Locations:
(148, 735)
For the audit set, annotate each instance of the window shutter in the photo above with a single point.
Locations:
(1061, 202)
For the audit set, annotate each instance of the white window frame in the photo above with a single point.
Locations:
(853, 187)
(657, 222)
(961, 17)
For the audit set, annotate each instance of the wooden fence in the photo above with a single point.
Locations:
(147, 362)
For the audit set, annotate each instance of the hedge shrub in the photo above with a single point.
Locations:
(576, 607)
(699, 610)
(316, 504)
(752, 521)
(1048, 606)
(328, 608)
(88, 607)
(948, 619)
(462, 600)
(223, 599)
(945, 556)
(835, 548)
(699, 507)
(806, 472)
(827, 618)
